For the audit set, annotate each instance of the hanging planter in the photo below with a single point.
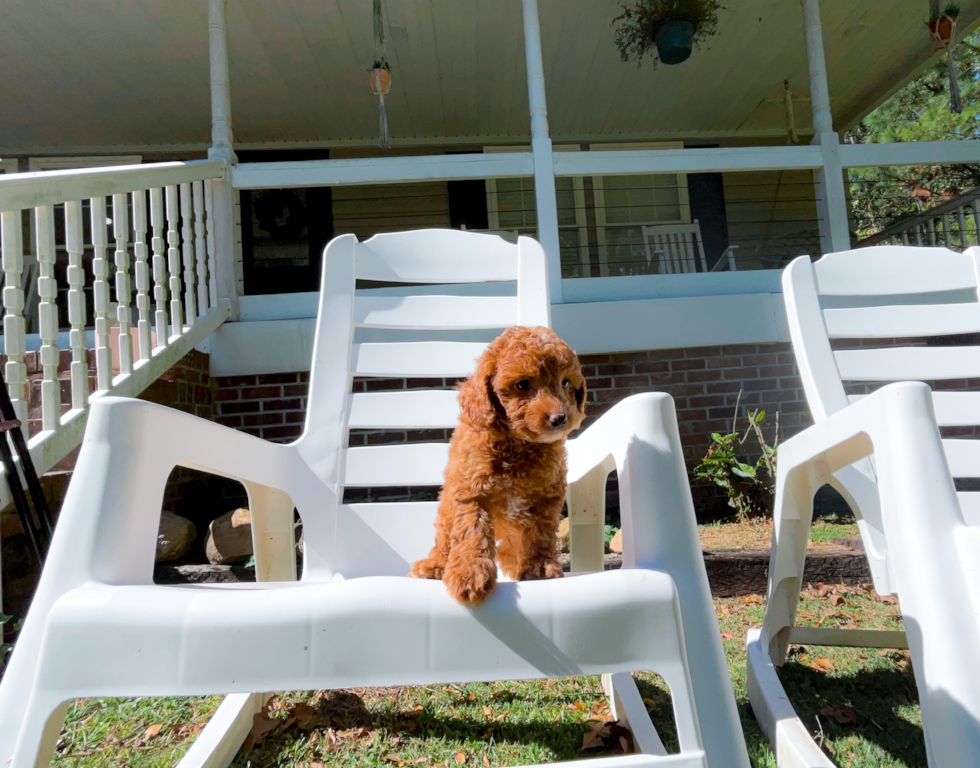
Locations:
(670, 28)
(380, 78)
(942, 26)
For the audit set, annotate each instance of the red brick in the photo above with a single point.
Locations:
(604, 383)
(723, 386)
(262, 419)
(652, 367)
(295, 390)
(282, 433)
(741, 373)
(777, 370)
(706, 401)
(226, 394)
(248, 407)
(260, 393)
(292, 404)
(278, 378)
(687, 365)
(706, 375)
(295, 417)
(632, 381)
(379, 385)
(236, 381)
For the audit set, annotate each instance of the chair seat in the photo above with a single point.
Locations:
(201, 639)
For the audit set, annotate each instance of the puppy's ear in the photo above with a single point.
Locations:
(580, 397)
(477, 400)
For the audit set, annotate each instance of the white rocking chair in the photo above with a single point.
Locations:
(100, 627)
(679, 249)
(921, 537)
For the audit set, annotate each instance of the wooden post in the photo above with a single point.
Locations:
(221, 215)
(828, 180)
(544, 168)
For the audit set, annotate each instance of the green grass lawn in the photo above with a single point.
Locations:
(862, 701)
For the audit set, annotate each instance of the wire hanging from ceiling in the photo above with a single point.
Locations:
(381, 74)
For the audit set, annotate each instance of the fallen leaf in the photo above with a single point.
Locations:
(460, 757)
(591, 740)
(842, 714)
(727, 635)
(822, 664)
(305, 717)
(419, 760)
(651, 702)
(471, 697)
(152, 732)
(417, 708)
(262, 724)
(580, 706)
(488, 712)
(316, 765)
(501, 716)
(393, 759)
(486, 762)
(837, 600)
(750, 599)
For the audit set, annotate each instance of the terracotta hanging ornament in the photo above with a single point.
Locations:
(942, 27)
(380, 74)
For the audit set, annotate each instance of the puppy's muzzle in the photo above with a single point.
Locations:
(558, 420)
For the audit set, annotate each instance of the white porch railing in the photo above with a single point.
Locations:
(953, 224)
(164, 299)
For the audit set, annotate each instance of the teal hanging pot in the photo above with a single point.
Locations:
(674, 41)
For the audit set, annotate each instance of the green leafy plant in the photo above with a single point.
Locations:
(641, 20)
(750, 485)
(952, 11)
(608, 532)
(6, 648)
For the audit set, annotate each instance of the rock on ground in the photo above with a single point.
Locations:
(616, 545)
(230, 538)
(563, 535)
(174, 538)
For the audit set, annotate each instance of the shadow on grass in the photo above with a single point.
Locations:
(875, 696)
(371, 733)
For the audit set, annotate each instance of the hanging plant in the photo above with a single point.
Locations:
(380, 74)
(381, 78)
(670, 27)
(942, 26)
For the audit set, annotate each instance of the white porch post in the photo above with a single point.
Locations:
(544, 168)
(222, 148)
(829, 180)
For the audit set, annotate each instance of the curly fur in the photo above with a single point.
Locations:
(505, 482)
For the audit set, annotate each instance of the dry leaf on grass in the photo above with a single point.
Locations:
(751, 599)
(842, 714)
(460, 757)
(393, 759)
(822, 664)
(486, 762)
(488, 712)
(262, 725)
(727, 636)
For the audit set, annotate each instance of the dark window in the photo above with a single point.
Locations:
(284, 231)
(468, 204)
(706, 193)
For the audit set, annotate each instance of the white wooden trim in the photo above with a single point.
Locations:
(285, 346)
(36, 164)
(28, 190)
(698, 160)
(8, 165)
(380, 170)
(222, 140)
(909, 153)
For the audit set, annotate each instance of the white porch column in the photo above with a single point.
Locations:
(829, 180)
(544, 169)
(222, 148)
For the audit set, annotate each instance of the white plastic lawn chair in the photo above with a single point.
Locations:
(918, 533)
(99, 626)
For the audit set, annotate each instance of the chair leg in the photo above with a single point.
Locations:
(222, 737)
(586, 521)
(44, 718)
(629, 710)
(272, 533)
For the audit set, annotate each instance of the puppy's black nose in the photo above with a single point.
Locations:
(558, 420)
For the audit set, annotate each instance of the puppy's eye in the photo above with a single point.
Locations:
(524, 385)
(565, 383)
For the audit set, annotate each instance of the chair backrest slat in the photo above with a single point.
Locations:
(415, 359)
(436, 312)
(908, 363)
(413, 464)
(902, 321)
(414, 257)
(680, 245)
(401, 534)
(892, 270)
(953, 409)
(414, 409)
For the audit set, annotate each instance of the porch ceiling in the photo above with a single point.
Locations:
(134, 74)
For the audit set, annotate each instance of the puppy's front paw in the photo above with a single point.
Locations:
(470, 581)
(541, 569)
(427, 568)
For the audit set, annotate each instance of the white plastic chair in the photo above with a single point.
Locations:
(679, 249)
(885, 292)
(99, 626)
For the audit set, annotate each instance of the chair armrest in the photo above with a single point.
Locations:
(108, 524)
(897, 423)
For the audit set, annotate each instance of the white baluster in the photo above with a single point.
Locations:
(187, 235)
(124, 315)
(159, 266)
(173, 262)
(47, 312)
(947, 231)
(76, 303)
(199, 249)
(12, 247)
(100, 294)
(212, 264)
(142, 273)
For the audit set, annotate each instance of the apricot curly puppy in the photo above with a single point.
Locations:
(505, 483)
